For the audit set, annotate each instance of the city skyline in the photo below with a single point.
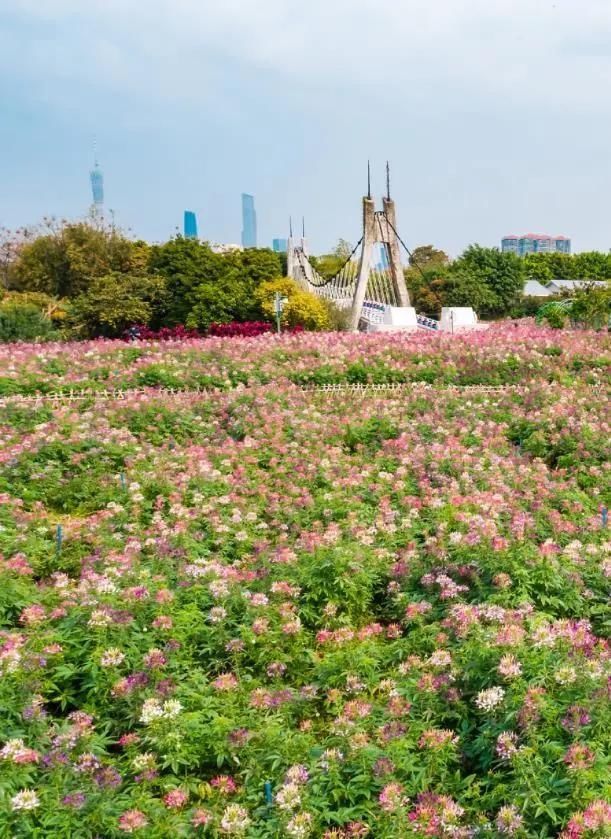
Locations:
(472, 155)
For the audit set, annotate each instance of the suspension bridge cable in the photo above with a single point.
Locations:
(336, 275)
(410, 254)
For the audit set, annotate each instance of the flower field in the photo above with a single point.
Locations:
(266, 611)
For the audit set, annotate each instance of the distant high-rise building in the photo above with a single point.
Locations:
(535, 243)
(190, 225)
(280, 245)
(249, 221)
(97, 186)
(383, 263)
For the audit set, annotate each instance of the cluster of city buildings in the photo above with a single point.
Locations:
(249, 216)
(535, 243)
(249, 229)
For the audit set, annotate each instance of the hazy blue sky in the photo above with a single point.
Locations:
(495, 114)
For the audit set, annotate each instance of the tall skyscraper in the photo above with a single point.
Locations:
(190, 225)
(249, 221)
(97, 185)
(535, 243)
(279, 245)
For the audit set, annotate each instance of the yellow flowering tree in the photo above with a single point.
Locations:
(301, 308)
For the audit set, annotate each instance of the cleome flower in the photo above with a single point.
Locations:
(26, 799)
(489, 699)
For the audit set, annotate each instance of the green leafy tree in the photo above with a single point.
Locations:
(503, 274)
(205, 287)
(537, 266)
(465, 288)
(562, 266)
(61, 258)
(115, 301)
(427, 288)
(330, 264)
(592, 265)
(426, 256)
(591, 306)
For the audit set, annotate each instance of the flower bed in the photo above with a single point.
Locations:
(270, 612)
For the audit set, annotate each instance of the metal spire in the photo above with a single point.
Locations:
(291, 227)
(303, 226)
(387, 180)
(368, 180)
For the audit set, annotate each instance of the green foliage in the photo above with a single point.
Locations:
(62, 257)
(329, 264)
(205, 287)
(339, 318)
(66, 478)
(592, 306)
(371, 435)
(301, 309)
(426, 256)
(114, 302)
(589, 306)
(497, 277)
(23, 322)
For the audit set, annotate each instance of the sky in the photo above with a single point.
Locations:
(495, 115)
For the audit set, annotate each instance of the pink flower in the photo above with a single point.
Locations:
(175, 799)
(579, 757)
(132, 820)
(225, 682)
(200, 817)
(391, 798)
(224, 784)
(437, 738)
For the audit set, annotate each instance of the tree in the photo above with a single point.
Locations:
(591, 306)
(502, 273)
(328, 265)
(206, 287)
(592, 265)
(115, 301)
(426, 279)
(301, 309)
(10, 245)
(61, 257)
(562, 266)
(427, 288)
(537, 266)
(426, 256)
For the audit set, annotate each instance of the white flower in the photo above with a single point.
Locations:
(300, 826)
(151, 711)
(143, 761)
(565, 675)
(99, 618)
(288, 797)
(25, 800)
(235, 820)
(440, 658)
(488, 700)
(171, 708)
(112, 657)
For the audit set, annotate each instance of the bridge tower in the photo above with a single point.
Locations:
(379, 227)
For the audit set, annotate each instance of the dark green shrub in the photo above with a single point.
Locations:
(23, 322)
